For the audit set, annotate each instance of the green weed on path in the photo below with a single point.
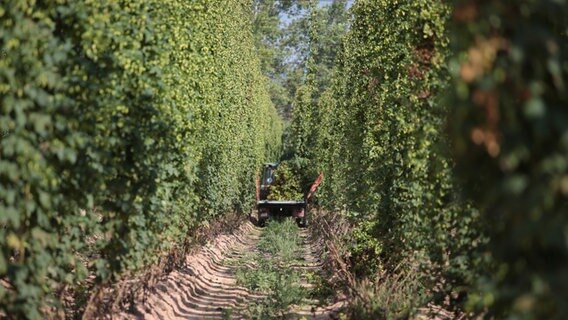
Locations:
(269, 271)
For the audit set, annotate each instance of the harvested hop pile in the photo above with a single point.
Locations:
(286, 184)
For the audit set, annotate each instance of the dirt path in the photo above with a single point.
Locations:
(206, 287)
(312, 263)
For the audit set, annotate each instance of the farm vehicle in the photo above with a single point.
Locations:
(268, 207)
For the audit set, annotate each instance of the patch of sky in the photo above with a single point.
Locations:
(287, 17)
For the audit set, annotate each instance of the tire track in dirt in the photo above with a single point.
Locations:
(206, 286)
(311, 261)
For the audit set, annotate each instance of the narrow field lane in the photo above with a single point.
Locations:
(208, 286)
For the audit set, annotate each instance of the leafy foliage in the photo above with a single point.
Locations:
(390, 296)
(278, 47)
(510, 127)
(377, 134)
(135, 121)
(325, 26)
(284, 31)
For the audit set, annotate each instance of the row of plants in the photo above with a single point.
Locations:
(442, 138)
(509, 129)
(127, 124)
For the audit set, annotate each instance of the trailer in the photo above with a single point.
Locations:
(296, 208)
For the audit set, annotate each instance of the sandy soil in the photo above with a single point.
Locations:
(206, 288)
